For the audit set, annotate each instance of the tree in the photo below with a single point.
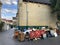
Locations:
(1, 25)
(55, 5)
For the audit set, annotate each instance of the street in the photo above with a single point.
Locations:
(6, 38)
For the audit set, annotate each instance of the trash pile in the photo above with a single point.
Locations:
(35, 34)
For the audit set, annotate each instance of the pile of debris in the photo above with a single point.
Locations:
(34, 34)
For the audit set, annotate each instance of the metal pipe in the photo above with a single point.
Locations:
(26, 14)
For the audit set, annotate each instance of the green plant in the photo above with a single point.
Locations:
(1, 25)
(55, 5)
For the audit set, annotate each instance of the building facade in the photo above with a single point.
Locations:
(0, 10)
(14, 21)
(9, 22)
(35, 13)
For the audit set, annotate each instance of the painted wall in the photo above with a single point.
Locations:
(38, 15)
(6, 27)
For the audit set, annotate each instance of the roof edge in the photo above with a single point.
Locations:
(37, 2)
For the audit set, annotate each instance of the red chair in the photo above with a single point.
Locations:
(32, 34)
(37, 34)
(42, 32)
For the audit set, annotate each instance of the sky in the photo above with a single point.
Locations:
(9, 9)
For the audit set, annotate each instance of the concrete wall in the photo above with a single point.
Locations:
(38, 15)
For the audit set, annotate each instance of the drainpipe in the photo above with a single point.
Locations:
(19, 11)
(27, 15)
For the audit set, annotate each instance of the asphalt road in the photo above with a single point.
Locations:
(6, 38)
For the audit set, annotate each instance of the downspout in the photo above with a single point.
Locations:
(27, 15)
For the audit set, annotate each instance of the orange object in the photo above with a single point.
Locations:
(16, 34)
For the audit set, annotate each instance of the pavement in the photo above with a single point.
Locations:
(6, 38)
